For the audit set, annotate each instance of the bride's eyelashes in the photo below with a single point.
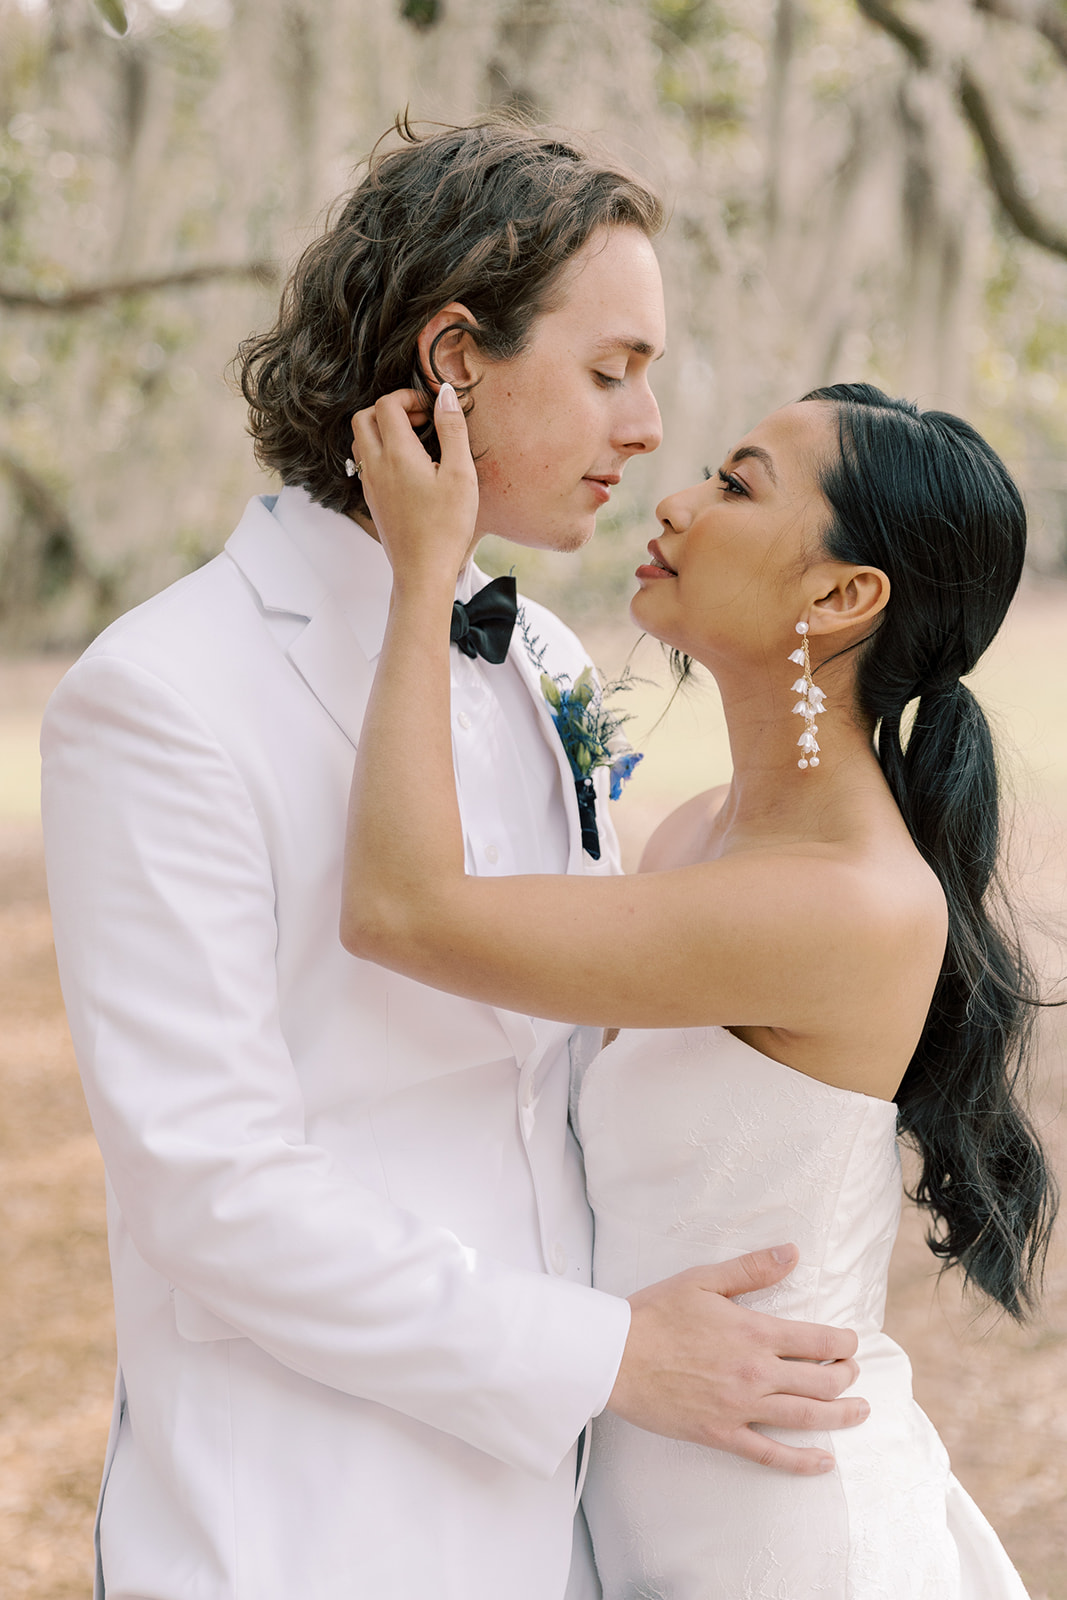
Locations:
(727, 481)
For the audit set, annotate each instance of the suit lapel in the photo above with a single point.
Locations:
(335, 667)
(326, 653)
(328, 657)
(531, 677)
(284, 581)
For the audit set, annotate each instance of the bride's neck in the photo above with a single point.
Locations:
(769, 793)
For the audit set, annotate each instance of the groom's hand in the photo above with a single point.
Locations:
(696, 1366)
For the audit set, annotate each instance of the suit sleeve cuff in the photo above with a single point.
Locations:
(575, 1346)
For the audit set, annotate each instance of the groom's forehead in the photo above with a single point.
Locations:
(611, 298)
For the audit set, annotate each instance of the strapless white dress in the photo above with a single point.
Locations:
(698, 1148)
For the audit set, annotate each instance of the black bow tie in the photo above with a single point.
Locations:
(483, 625)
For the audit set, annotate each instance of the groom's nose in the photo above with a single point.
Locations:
(641, 428)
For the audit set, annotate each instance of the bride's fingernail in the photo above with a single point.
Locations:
(448, 399)
(826, 1464)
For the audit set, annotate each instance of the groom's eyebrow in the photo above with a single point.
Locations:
(638, 347)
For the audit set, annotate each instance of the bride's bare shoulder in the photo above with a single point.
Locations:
(681, 838)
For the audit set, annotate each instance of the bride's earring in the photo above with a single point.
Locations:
(811, 703)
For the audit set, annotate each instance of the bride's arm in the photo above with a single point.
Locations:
(696, 1365)
(712, 943)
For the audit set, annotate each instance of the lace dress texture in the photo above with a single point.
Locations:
(698, 1148)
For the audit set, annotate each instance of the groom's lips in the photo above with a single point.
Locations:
(602, 484)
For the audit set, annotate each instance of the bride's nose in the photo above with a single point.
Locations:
(671, 513)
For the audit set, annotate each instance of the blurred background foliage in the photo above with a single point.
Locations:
(859, 189)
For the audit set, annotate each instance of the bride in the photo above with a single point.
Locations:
(805, 963)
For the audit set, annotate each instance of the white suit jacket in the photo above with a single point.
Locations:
(349, 1238)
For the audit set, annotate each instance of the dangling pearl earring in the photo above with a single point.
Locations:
(810, 705)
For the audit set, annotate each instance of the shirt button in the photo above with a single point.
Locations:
(559, 1259)
(492, 854)
(527, 1095)
(463, 720)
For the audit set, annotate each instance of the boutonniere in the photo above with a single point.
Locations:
(590, 731)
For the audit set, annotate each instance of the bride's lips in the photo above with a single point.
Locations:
(601, 485)
(657, 567)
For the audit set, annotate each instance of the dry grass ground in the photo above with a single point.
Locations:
(998, 1394)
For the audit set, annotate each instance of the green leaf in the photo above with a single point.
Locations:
(113, 13)
(584, 686)
(550, 690)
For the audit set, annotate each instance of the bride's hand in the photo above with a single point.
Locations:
(424, 512)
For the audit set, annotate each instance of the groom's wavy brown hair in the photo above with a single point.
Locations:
(488, 215)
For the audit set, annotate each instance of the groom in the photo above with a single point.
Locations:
(357, 1349)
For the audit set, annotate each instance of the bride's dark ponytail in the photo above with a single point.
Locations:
(923, 497)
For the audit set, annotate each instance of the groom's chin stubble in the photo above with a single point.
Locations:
(568, 541)
(556, 541)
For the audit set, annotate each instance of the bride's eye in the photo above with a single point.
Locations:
(731, 484)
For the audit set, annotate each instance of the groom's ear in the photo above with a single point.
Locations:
(446, 351)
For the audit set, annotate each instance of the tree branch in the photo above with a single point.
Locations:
(47, 555)
(1001, 169)
(95, 294)
(1003, 177)
(884, 17)
(1051, 22)
(36, 494)
(1045, 18)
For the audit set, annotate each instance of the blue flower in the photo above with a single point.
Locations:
(622, 770)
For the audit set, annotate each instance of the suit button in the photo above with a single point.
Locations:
(559, 1259)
